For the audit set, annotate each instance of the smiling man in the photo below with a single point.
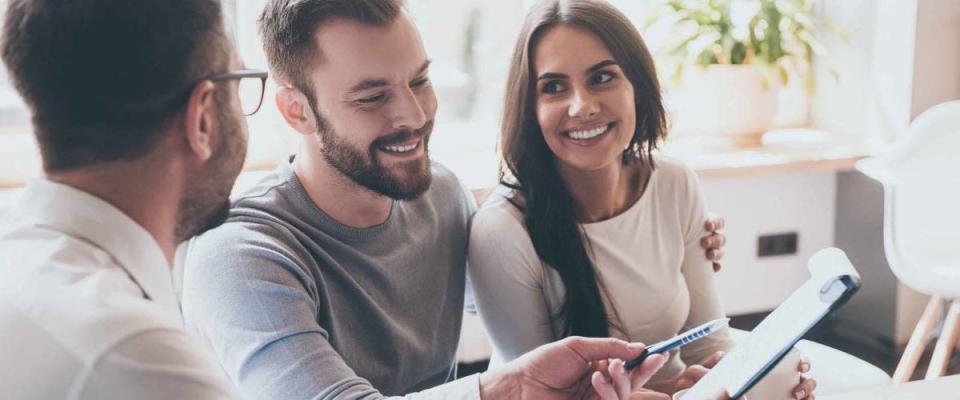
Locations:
(342, 274)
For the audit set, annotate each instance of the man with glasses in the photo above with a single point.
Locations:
(137, 108)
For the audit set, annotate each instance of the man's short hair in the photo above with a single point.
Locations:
(287, 28)
(105, 78)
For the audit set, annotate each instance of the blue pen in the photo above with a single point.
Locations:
(679, 341)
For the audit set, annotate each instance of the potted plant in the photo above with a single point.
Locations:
(732, 57)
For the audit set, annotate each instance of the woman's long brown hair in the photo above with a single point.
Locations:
(529, 165)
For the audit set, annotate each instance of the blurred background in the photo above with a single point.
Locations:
(772, 102)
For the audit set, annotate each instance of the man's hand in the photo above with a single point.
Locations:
(562, 369)
(714, 241)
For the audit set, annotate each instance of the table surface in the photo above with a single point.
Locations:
(946, 388)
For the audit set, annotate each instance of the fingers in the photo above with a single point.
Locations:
(714, 222)
(603, 387)
(690, 377)
(805, 389)
(601, 366)
(614, 384)
(713, 241)
(595, 349)
(713, 359)
(620, 378)
(804, 365)
(639, 376)
(714, 254)
(648, 395)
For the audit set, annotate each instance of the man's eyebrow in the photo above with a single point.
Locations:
(367, 84)
(376, 83)
(424, 67)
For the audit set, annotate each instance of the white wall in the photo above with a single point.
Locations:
(937, 55)
(903, 57)
(765, 204)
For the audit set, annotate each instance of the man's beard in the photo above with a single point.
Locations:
(206, 202)
(367, 171)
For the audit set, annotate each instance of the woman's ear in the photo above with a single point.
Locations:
(295, 108)
(200, 120)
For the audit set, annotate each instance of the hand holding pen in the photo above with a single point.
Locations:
(680, 340)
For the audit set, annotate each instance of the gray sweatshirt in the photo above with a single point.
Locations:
(298, 306)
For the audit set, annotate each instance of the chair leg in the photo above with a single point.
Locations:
(918, 341)
(948, 339)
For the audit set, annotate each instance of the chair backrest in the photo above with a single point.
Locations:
(921, 178)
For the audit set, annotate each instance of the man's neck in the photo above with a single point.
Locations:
(138, 190)
(339, 196)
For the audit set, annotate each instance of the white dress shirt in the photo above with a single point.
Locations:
(87, 308)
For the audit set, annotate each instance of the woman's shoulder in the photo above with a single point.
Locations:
(500, 207)
(499, 242)
(672, 168)
(673, 176)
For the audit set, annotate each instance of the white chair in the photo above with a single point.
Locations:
(921, 181)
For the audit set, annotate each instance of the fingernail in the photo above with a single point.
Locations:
(801, 394)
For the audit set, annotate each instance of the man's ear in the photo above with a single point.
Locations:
(201, 120)
(295, 108)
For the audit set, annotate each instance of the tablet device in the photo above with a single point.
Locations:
(832, 281)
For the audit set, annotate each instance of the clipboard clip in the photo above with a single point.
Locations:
(839, 289)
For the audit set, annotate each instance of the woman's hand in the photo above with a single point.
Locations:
(694, 373)
(804, 390)
(612, 381)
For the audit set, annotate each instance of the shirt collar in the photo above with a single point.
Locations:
(82, 215)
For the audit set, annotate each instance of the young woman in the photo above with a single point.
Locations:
(591, 233)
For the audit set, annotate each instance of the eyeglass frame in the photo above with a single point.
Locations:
(240, 74)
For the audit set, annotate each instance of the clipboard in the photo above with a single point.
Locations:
(833, 280)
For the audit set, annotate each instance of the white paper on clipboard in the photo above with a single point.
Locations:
(830, 276)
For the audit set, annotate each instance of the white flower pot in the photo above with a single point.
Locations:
(734, 101)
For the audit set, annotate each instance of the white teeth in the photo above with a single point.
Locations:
(589, 134)
(400, 149)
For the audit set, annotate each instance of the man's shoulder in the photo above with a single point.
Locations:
(445, 182)
(236, 242)
(78, 312)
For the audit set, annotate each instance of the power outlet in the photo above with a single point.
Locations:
(777, 244)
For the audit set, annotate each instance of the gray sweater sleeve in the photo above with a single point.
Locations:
(250, 297)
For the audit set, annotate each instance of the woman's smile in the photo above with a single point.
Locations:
(589, 136)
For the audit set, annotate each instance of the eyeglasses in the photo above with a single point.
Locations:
(250, 90)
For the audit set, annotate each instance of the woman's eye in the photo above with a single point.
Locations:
(602, 77)
(553, 87)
